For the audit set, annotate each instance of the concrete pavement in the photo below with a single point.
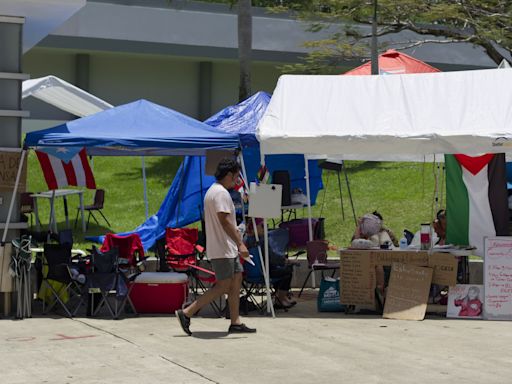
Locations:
(301, 346)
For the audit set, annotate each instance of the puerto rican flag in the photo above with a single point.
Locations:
(64, 166)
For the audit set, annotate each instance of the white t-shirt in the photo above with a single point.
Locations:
(218, 244)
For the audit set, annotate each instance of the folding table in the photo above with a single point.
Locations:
(52, 195)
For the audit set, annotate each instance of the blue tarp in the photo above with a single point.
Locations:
(242, 119)
(138, 128)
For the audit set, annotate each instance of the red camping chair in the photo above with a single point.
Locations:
(182, 252)
(129, 246)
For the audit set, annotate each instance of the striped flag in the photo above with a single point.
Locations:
(476, 199)
(73, 170)
(264, 175)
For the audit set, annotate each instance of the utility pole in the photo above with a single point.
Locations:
(374, 51)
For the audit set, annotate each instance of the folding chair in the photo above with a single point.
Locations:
(110, 281)
(97, 205)
(317, 259)
(59, 281)
(182, 252)
(254, 281)
(129, 247)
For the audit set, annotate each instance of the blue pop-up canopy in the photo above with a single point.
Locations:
(183, 203)
(140, 128)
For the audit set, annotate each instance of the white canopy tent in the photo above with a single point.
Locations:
(409, 117)
(391, 117)
(64, 96)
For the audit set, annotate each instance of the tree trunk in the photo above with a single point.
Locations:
(244, 47)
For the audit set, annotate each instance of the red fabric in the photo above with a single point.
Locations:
(474, 164)
(393, 62)
(128, 245)
(471, 308)
(60, 174)
(181, 247)
(181, 241)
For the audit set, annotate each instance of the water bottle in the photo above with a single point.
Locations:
(403, 243)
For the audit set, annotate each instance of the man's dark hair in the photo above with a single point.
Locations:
(225, 166)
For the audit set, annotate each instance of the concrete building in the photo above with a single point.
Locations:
(181, 54)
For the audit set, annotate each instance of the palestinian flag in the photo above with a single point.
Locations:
(476, 199)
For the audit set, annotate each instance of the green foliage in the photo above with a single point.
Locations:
(485, 23)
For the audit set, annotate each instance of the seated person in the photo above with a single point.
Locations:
(440, 227)
(280, 270)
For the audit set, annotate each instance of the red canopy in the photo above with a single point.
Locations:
(393, 62)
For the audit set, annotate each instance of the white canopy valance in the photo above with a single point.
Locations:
(400, 117)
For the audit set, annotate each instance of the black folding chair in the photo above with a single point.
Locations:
(60, 281)
(111, 280)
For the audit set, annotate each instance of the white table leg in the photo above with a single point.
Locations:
(81, 195)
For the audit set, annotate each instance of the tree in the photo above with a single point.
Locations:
(485, 23)
(244, 47)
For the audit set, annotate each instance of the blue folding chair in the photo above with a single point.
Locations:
(254, 281)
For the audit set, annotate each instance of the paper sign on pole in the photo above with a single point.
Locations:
(407, 294)
(265, 200)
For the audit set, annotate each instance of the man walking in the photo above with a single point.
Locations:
(224, 247)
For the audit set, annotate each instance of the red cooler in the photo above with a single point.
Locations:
(159, 292)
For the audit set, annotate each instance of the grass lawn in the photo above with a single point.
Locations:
(402, 192)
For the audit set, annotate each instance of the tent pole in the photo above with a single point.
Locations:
(308, 195)
(14, 193)
(349, 193)
(53, 221)
(201, 180)
(341, 196)
(180, 193)
(260, 253)
(310, 219)
(146, 203)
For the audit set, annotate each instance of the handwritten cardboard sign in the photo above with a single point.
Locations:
(386, 258)
(407, 293)
(445, 269)
(9, 163)
(357, 282)
(498, 278)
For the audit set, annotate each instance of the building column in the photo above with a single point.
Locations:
(205, 90)
(82, 73)
(11, 51)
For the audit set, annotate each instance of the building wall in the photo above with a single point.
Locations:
(120, 78)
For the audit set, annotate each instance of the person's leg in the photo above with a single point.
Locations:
(234, 298)
(221, 287)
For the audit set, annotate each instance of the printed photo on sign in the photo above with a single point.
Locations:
(465, 301)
